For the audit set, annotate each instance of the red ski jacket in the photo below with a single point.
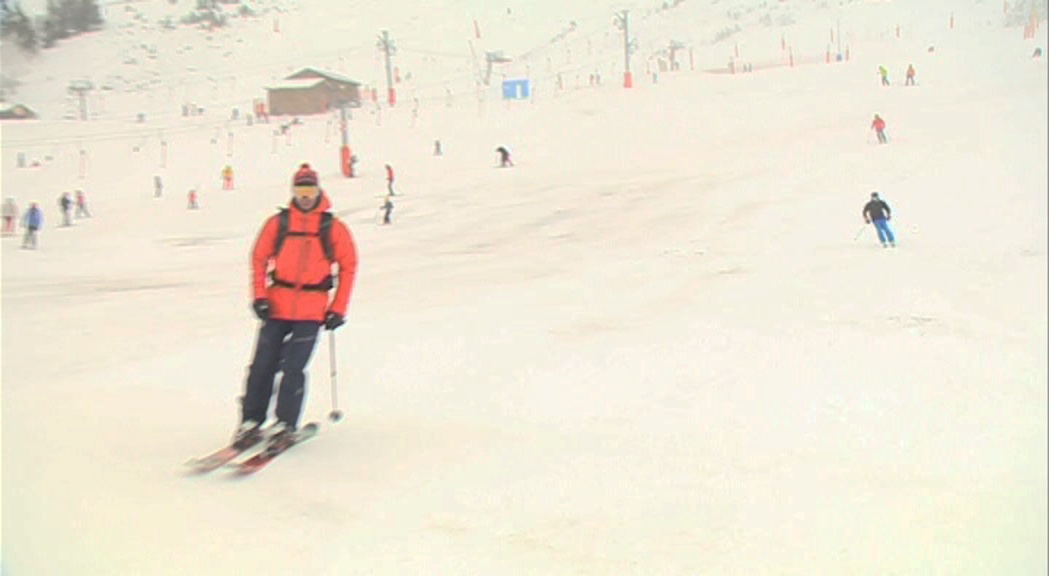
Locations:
(301, 274)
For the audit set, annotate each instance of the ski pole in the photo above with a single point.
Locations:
(335, 415)
(858, 232)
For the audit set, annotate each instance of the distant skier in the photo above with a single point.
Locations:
(191, 198)
(389, 180)
(33, 221)
(437, 148)
(878, 212)
(878, 125)
(81, 205)
(10, 213)
(387, 208)
(504, 157)
(227, 177)
(297, 256)
(884, 73)
(158, 186)
(910, 75)
(65, 203)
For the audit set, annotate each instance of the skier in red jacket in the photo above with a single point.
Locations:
(389, 180)
(293, 250)
(878, 125)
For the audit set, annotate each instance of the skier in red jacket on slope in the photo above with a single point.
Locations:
(296, 249)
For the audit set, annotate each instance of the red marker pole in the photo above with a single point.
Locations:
(345, 157)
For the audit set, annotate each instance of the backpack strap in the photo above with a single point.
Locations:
(282, 230)
(325, 233)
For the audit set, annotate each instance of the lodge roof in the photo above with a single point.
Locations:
(313, 72)
(295, 84)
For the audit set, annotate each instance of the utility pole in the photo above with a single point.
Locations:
(386, 45)
(81, 88)
(473, 60)
(839, 36)
(675, 46)
(623, 22)
(490, 59)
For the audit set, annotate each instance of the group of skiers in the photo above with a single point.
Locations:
(70, 207)
(878, 124)
(883, 73)
(192, 199)
(33, 219)
(877, 211)
(66, 204)
(387, 206)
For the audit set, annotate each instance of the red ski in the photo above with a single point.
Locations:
(275, 447)
(223, 455)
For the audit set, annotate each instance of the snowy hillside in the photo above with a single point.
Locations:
(663, 343)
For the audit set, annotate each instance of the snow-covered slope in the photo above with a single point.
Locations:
(663, 343)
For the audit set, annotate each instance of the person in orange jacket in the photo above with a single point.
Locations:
(227, 177)
(910, 75)
(296, 250)
(878, 125)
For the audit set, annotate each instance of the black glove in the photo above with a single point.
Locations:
(333, 320)
(262, 308)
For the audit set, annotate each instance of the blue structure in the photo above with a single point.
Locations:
(518, 89)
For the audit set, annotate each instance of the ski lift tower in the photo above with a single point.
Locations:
(81, 88)
(492, 58)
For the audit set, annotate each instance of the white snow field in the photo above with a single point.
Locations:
(662, 343)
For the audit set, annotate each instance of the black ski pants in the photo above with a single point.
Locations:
(285, 346)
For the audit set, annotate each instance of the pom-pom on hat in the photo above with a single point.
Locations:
(305, 176)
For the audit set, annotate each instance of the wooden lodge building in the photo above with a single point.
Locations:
(311, 91)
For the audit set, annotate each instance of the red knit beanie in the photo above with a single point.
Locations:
(305, 176)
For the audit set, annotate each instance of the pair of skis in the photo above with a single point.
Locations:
(271, 450)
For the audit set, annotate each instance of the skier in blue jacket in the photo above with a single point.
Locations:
(33, 220)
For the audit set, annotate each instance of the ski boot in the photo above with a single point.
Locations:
(248, 434)
(281, 436)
